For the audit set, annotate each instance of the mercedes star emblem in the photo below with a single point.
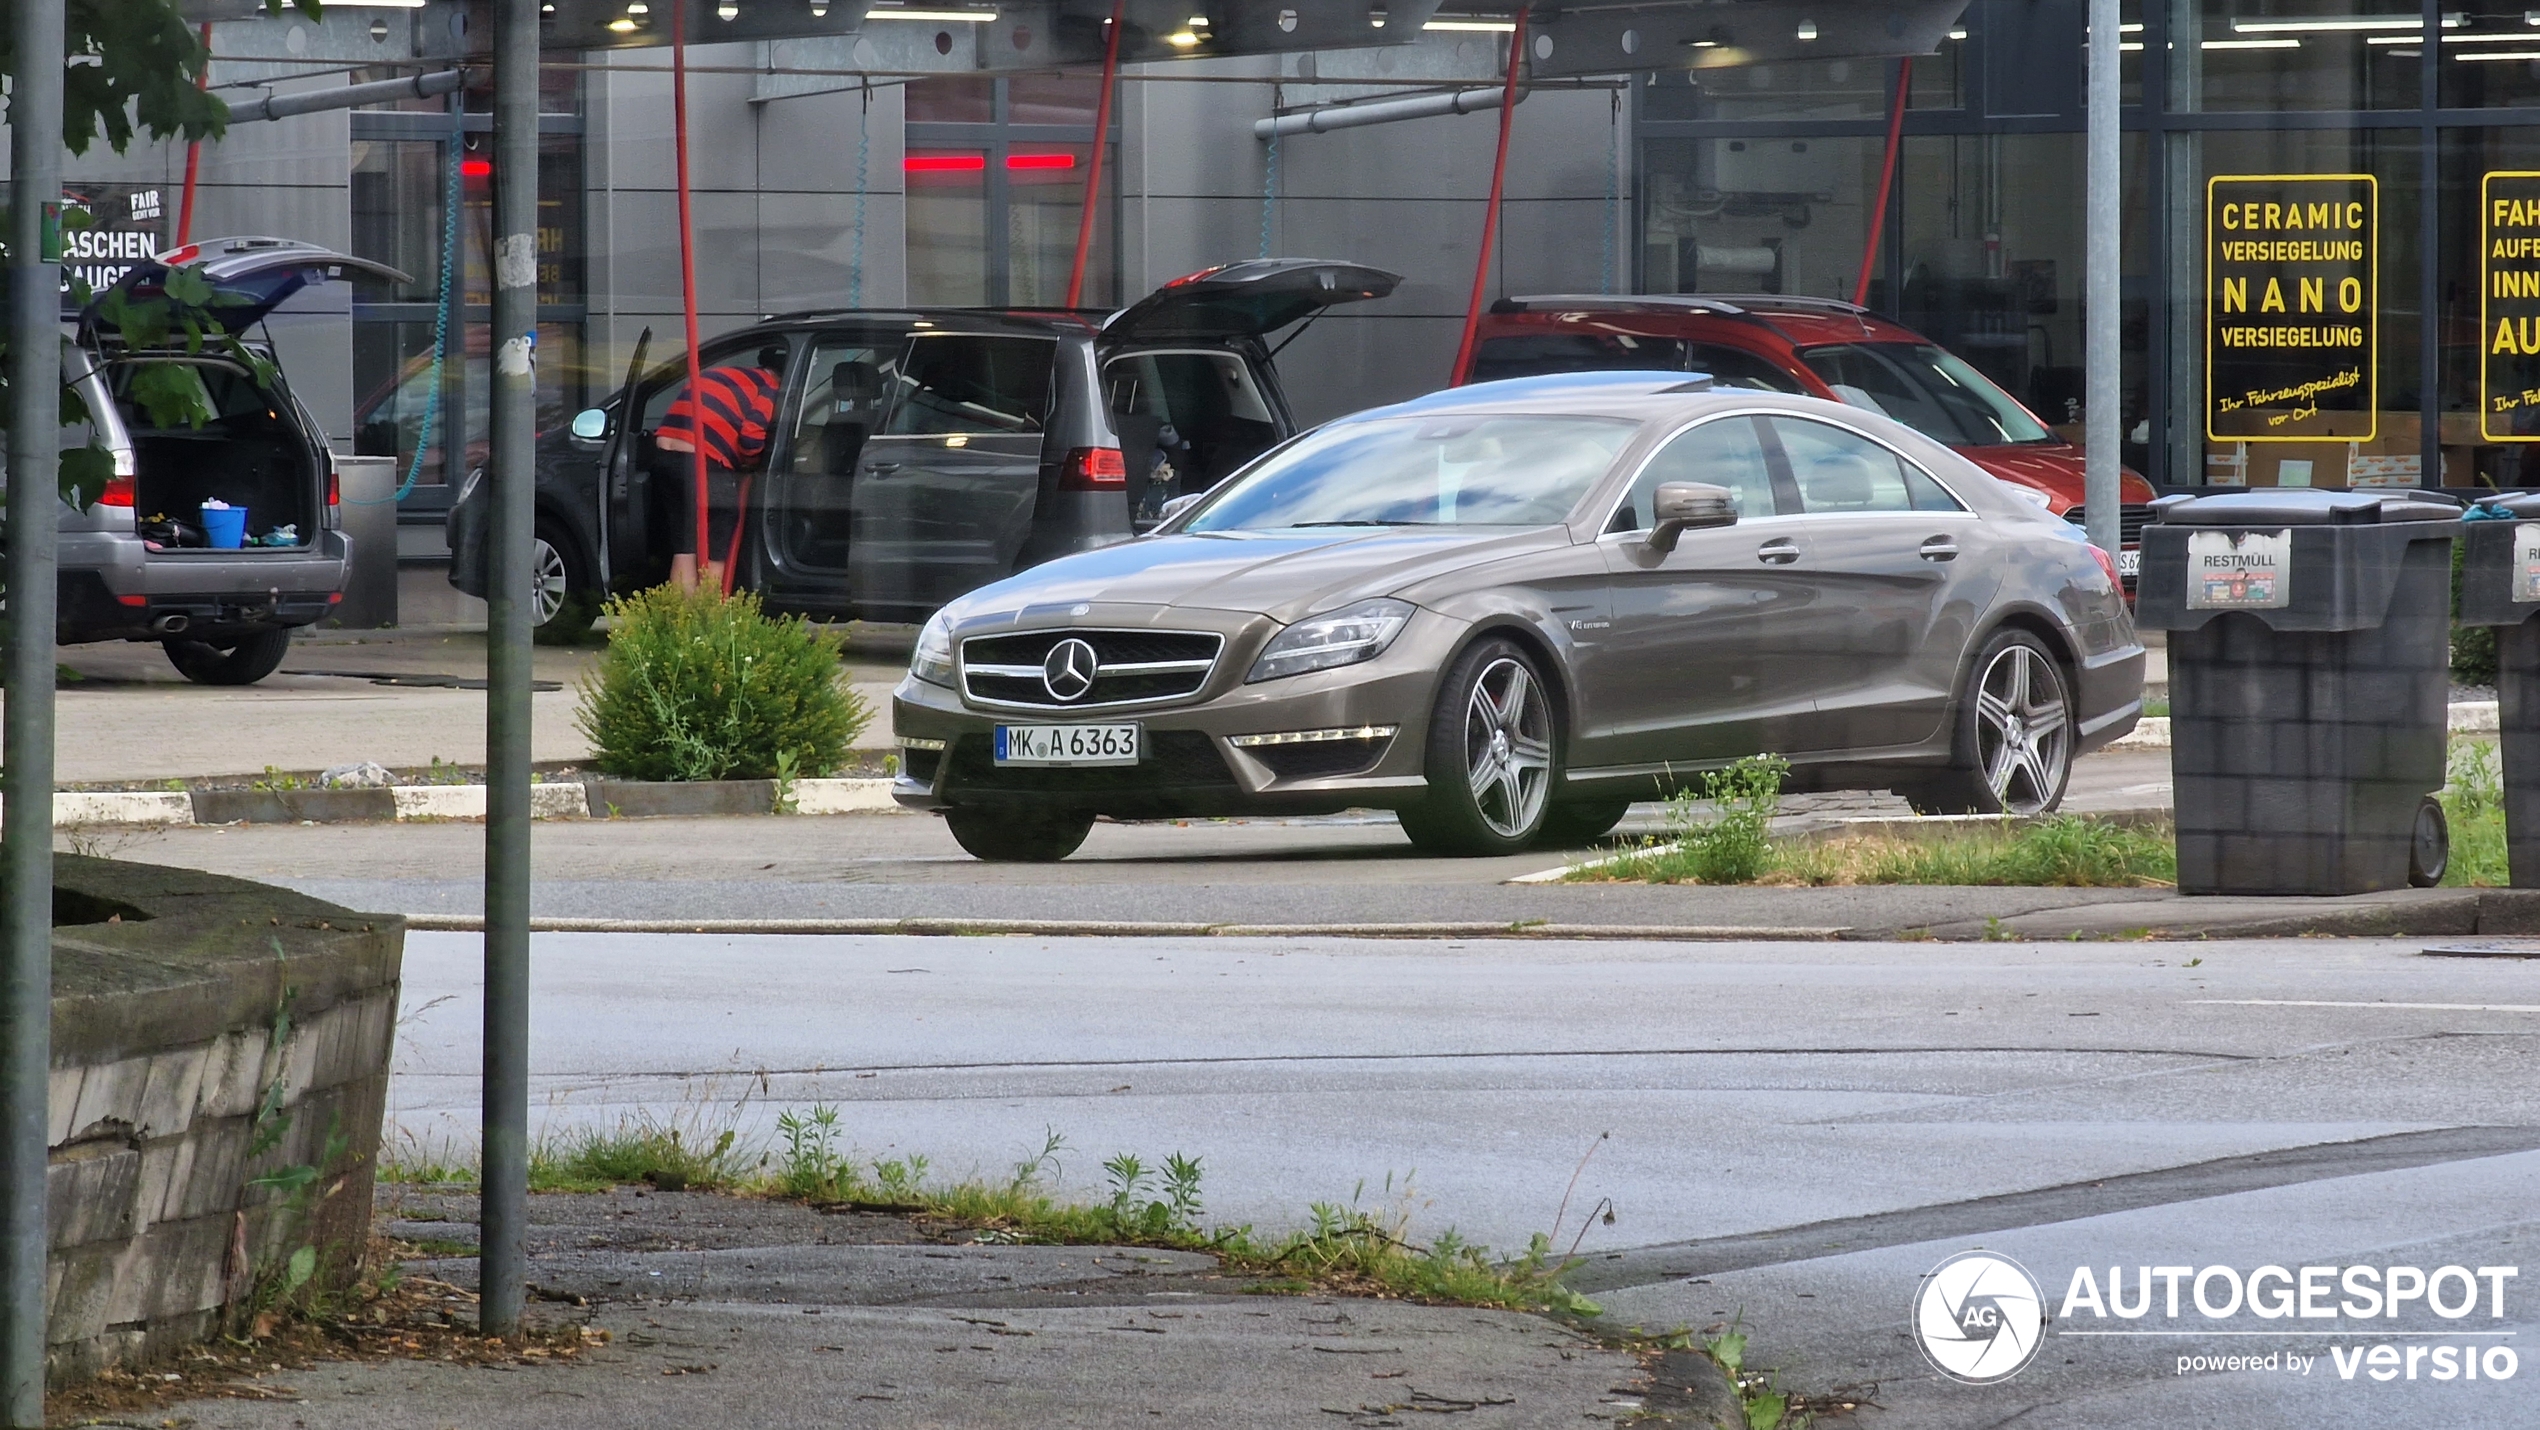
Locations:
(1068, 671)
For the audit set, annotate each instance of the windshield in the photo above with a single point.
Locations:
(1929, 389)
(1468, 469)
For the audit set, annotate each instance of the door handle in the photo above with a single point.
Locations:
(1778, 552)
(1939, 548)
(883, 468)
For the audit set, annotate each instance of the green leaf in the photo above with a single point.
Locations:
(85, 472)
(1765, 1411)
(303, 1266)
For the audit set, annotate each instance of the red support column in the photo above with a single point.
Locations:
(1490, 214)
(1887, 178)
(1093, 171)
(194, 151)
(688, 263)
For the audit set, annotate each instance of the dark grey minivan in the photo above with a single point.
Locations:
(922, 453)
(140, 561)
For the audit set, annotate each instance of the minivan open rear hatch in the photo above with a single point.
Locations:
(250, 276)
(1247, 299)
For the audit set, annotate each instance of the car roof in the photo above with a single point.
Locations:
(956, 320)
(1798, 319)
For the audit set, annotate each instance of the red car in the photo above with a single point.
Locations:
(1816, 347)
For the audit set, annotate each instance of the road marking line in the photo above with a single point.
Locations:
(2323, 1003)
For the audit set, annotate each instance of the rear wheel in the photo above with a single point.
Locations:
(1017, 837)
(1569, 825)
(242, 663)
(2014, 742)
(1491, 762)
(564, 593)
(2429, 846)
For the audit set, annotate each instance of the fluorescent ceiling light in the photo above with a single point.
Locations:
(2252, 44)
(2329, 26)
(1182, 39)
(2500, 55)
(2450, 39)
(375, 4)
(940, 17)
(1502, 26)
(1957, 34)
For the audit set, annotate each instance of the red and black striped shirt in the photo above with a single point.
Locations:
(740, 404)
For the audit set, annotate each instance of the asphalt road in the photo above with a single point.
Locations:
(1791, 1133)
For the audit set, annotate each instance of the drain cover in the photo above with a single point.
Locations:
(2487, 948)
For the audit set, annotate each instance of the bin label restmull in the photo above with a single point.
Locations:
(2249, 571)
(2526, 561)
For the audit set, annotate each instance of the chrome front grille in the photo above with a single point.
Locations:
(1097, 669)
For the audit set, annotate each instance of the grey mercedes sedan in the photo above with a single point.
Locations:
(1508, 610)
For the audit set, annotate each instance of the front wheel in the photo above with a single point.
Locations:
(564, 592)
(1576, 822)
(249, 660)
(2014, 743)
(1491, 762)
(1017, 837)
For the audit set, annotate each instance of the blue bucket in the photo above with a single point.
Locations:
(225, 528)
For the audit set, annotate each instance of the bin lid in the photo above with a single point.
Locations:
(2520, 505)
(2300, 506)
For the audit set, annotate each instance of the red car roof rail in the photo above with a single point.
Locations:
(1725, 304)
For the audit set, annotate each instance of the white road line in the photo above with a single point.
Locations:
(2322, 1003)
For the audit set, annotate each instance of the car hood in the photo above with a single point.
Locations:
(2053, 468)
(1285, 575)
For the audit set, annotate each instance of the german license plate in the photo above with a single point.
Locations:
(2129, 563)
(1067, 744)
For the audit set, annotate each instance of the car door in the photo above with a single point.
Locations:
(647, 486)
(1885, 542)
(808, 510)
(1689, 671)
(943, 495)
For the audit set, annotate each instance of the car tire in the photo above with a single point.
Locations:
(2429, 846)
(1493, 756)
(1567, 826)
(2013, 749)
(1005, 836)
(244, 663)
(564, 592)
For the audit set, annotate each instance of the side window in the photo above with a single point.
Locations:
(1736, 367)
(843, 389)
(1727, 452)
(1839, 471)
(962, 383)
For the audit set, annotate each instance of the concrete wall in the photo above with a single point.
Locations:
(176, 1027)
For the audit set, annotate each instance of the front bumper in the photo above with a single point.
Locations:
(1191, 764)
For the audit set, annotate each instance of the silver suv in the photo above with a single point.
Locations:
(145, 560)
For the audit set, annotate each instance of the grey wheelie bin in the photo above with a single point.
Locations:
(2309, 645)
(2500, 587)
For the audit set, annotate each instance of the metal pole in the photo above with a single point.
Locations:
(1887, 182)
(514, 473)
(2102, 323)
(1490, 214)
(1093, 171)
(194, 150)
(26, 789)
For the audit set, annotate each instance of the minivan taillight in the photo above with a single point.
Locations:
(334, 486)
(118, 492)
(1095, 469)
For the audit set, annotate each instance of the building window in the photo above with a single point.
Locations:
(995, 181)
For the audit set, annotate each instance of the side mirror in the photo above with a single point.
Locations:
(591, 424)
(1680, 507)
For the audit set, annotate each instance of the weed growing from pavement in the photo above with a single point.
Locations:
(1349, 1248)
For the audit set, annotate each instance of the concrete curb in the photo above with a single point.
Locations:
(1092, 928)
(561, 800)
(2468, 717)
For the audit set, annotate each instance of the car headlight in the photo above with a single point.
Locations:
(1344, 637)
(932, 661)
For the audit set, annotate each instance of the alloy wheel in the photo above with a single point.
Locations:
(1508, 747)
(547, 584)
(2023, 737)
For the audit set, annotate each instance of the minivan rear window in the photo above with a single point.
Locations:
(959, 382)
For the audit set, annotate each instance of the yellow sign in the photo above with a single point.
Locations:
(2292, 315)
(2509, 307)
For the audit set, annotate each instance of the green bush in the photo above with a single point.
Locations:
(708, 687)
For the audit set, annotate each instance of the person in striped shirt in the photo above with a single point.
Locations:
(728, 416)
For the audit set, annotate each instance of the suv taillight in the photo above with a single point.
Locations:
(334, 486)
(118, 492)
(1095, 469)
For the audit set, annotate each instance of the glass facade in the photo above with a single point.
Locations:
(2332, 245)
(996, 183)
